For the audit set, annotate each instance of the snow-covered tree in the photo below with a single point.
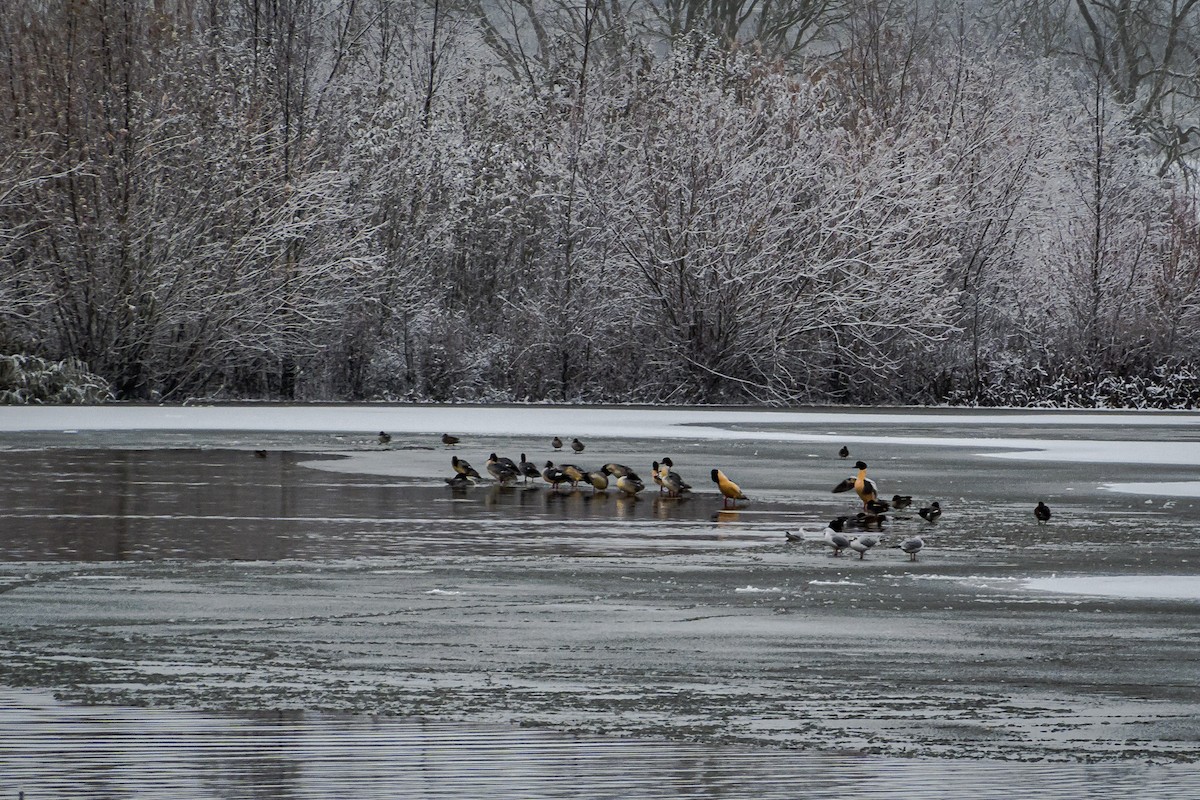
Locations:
(627, 200)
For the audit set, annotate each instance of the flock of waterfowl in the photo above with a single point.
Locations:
(507, 472)
(869, 522)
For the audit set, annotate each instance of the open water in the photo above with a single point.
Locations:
(181, 616)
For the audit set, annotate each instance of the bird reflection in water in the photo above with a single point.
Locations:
(626, 505)
(575, 500)
(556, 498)
(726, 516)
(667, 506)
(497, 494)
(527, 494)
(459, 483)
(597, 499)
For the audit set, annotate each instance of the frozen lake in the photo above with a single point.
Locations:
(335, 605)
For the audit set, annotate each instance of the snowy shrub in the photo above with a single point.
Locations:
(28, 379)
(1165, 387)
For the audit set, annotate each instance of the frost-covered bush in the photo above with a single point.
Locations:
(1166, 386)
(28, 379)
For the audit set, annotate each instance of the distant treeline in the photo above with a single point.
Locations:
(725, 201)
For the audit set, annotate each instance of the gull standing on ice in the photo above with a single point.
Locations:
(861, 544)
(835, 538)
(912, 546)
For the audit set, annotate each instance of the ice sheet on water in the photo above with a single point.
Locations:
(1156, 587)
(1159, 488)
(581, 600)
(632, 423)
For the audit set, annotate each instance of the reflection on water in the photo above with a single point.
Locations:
(101, 505)
(53, 750)
(726, 516)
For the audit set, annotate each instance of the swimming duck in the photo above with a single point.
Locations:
(556, 443)
(912, 546)
(598, 479)
(844, 452)
(577, 445)
(674, 484)
(671, 481)
(463, 468)
(449, 440)
(861, 544)
(459, 481)
(574, 474)
(834, 536)
(900, 501)
(931, 512)
(505, 473)
(869, 521)
(1042, 512)
(385, 437)
(260, 453)
(528, 469)
(553, 475)
(730, 491)
(630, 483)
(877, 506)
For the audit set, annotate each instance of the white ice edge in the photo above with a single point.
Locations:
(1161, 488)
(1149, 587)
(631, 423)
